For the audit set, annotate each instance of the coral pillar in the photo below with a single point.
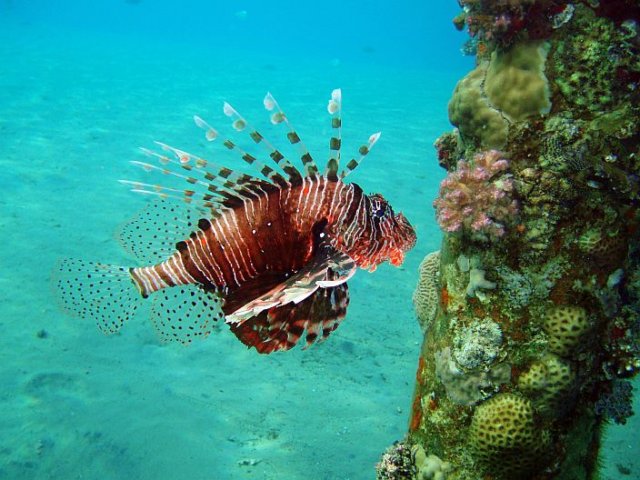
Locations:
(531, 307)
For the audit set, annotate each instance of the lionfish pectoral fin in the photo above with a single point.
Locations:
(342, 266)
(184, 313)
(328, 268)
(280, 328)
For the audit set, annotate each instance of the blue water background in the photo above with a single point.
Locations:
(82, 85)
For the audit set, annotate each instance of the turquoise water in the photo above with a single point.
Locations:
(82, 86)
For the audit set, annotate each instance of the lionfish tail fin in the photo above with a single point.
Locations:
(97, 291)
(110, 295)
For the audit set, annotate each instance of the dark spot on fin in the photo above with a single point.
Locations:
(151, 234)
(184, 313)
(204, 224)
(103, 293)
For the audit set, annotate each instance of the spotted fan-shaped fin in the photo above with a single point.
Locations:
(152, 234)
(328, 268)
(184, 313)
(279, 117)
(103, 293)
(280, 328)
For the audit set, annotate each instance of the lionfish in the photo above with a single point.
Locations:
(270, 254)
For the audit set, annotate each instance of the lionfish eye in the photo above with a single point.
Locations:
(379, 210)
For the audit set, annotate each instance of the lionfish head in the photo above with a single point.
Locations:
(386, 236)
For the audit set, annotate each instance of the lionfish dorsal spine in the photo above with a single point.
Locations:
(335, 142)
(278, 117)
(240, 124)
(212, 197)
(270, 175)
(215, 183)
(363, 151)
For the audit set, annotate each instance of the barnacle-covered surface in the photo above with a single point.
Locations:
(551, 325)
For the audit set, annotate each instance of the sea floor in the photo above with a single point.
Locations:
(77, 404)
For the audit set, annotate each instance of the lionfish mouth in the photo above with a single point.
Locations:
(396, 258)
(406, 234)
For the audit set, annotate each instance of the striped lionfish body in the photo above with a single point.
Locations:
(271, 255)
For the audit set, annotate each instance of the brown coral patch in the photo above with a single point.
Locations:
(416, 414)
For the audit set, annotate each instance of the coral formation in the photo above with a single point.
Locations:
(550, 384)
(477, 281)
(504, 438)
(616, 405)
(477, 197)
(498, 23)
(478, 344)
(430, 467)
(542, 248)
(515, 82)
(468, 388)
(566, 326)
(426, 294)
(397, 463)
(469, 110)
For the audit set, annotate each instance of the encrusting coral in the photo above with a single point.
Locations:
(469, 387)
(477, 344)
(430, 467)
(475, 117)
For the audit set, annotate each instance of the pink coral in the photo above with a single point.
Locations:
(476, 197)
